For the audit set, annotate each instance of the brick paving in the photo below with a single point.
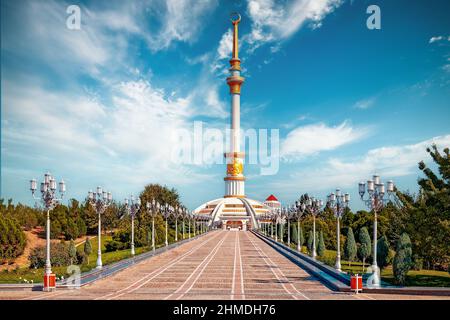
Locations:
(223, 265)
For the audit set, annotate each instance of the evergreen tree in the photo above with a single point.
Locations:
(350, 248)
(87, 248)
(309, 242)
(321, 247)
(72, 251)
(302, 237)
(364, 249)
(402, 259)
(383, 253)
(294, 233)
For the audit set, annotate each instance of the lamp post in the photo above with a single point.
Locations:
(337, 202)
(167, 211)
(100, 200)
(313, 206)
(189, 217)
(299, 210)
(193, 218)
(290, 214)
(153, 210)
(132, 207)
(183, 215)
(49, 199)
(375, 201)
(277, 217)
(178, 213)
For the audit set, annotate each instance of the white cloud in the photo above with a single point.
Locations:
(365, 103)
(389, 162)
(272, 21)
(181, 21)
(225, 45)
(438, 39)
(311, 139)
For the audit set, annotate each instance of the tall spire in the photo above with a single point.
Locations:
(235, 19)
(234, 181)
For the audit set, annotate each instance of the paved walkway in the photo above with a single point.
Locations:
(225, 265)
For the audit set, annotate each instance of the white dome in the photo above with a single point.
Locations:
(232, 210)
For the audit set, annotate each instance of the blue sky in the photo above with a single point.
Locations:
(98, 106)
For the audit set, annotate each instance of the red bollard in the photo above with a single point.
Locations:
(356, 283)
(49, 282)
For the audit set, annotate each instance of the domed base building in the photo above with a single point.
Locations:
(233, 212)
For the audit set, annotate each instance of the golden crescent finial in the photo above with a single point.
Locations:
(235, 17)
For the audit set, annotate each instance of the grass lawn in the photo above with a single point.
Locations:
(419, 278)
(415, 278)
(36, 275)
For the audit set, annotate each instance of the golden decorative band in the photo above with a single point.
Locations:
(234, 196)
(235, 64)
(234, 178)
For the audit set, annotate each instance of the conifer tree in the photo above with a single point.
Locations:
(364, 249)
(402, 259)
(321, 247)
(72, 251)
(309, 242)
(87, 248)
(350, 248)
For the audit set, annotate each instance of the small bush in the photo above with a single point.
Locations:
(417, 263)
(59, 256)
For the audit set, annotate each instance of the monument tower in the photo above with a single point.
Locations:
(234, 180)
(234, 210)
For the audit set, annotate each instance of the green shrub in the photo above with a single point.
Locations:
(384, 255)
(403, 259)
(114, 245)
(72, 252)
(364, 249)
(309, 242)
(350, 249)
(417, 263)
(59, 256)
(87, 248)
(321, 246)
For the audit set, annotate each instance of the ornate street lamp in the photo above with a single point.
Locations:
(337, 202)
(276, 212)
(177, 213)
(299, 210)
(132, 207)
(153, 209)
(167, 211)
(100, 200)
(193, 219)
(183, 215)
(49, 199)
(313, 206)
(375, 201)
(189, 218)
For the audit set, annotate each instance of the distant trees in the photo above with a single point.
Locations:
(403, 259)
(350, 248)
(364, 248)
(426, 217)
(12, 239)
